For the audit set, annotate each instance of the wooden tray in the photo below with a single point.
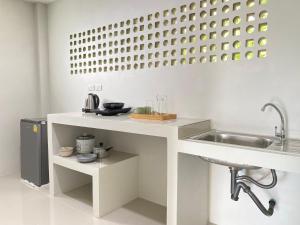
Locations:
(153, 116)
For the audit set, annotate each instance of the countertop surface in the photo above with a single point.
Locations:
(291, 147)
(124, 119)
(122, 123)
(284, 158)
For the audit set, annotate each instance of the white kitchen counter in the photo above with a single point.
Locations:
(185, 173)
(64, 128)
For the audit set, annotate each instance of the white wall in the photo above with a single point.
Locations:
(231, 94)
(225, 92)
(41, 18)
(18, 77)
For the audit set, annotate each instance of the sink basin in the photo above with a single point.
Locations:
(233, 139)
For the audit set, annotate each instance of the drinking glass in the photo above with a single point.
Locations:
(164, 104)
(158, 104)
(149, 107)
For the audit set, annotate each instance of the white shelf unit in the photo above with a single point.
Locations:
(136, 212)
(120, 181)
(107, 176)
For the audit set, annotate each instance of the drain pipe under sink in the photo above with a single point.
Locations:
(237, 184)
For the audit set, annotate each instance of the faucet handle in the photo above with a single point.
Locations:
(278, 134)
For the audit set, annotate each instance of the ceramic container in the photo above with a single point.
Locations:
(85, 143)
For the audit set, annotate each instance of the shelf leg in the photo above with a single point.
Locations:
(96, 195)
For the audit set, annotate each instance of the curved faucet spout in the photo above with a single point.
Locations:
(281, 134)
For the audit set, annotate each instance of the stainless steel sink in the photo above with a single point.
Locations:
(233, 139)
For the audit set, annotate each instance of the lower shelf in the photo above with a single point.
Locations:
(79, 198)
(136, 212)
(90, 168)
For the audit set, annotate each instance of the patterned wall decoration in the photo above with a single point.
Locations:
(208, 31)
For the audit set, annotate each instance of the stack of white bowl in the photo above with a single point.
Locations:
(65, 151)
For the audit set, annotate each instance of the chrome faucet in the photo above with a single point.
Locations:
(282, 134)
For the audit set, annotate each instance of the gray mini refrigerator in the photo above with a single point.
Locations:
(34, 151)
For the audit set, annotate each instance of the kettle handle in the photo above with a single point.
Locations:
(96, 101)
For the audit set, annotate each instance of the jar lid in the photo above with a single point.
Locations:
(86, 137)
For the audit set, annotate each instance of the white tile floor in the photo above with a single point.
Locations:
(22, 205)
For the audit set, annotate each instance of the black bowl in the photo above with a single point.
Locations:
(113, 105)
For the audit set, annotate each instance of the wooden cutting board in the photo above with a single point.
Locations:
(160, 117)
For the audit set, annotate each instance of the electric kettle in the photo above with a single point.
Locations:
(92, 102)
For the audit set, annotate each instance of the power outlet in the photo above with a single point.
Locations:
(95, 87)
(98, 87)
(92, 87)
